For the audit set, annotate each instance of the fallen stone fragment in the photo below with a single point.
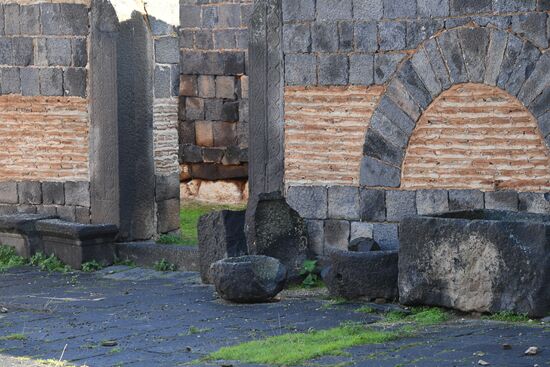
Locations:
(372, 275)
(3, 310)
(248, 279)
(532, 351)
(506, 346)
(363, 244)
(481, 362)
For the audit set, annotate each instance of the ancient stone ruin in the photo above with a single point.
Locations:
(360, 114)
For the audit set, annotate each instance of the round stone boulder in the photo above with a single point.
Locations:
(248, 279)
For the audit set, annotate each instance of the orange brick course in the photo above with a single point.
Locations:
(325, 132)
(475, 136)
(43, 138)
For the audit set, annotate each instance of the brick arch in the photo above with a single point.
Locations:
(475, 136)
(471, 54)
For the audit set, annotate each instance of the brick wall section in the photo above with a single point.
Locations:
(477, 137)
(214, 88)
(43, 138)
(363, 43)
(325, 132)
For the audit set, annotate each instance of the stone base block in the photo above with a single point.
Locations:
(369, 275)
(75, 244)
(221, 235)
(19, 231)
(479, 260)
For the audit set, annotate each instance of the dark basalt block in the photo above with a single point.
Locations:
(19, 231)
(370, 275)
(478, 260)
(248, 279)
(221, 235)
(75, 244)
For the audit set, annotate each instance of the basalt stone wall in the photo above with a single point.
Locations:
(366, 111)
(213, 113)
(44, 116)
(88, 115)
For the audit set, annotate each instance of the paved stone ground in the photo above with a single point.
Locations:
(150, 315)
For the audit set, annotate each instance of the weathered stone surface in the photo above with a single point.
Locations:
(474, 42)
(513, 50)
(324, 37)
(385, 65)
(309, 201)
(400, 204)
(248, 279)
(361, 229)
(437, 62)
(533, 27)
(414, 85)
(525, 65)
(343, 202)
(465, 200)
(387, 235)
(396, 115)
(337, 234)
(316, 236)
(399, 9)
(432, 201)
(368, 9)
(334, 9)
(296, 37)
(372, 205)
(505, 254)
(420, 30)
(377, 173)
(366, 36)
(449, 45)
(398, 94)
(298, 10)
(354, 275)
(363, 244)
(501, 200)
(53, 193)
(495, 55)
(377, 146)
(392, 36)
(460, 7)
(30, 192)
(333, 70)
(300, 69)
(279, 232)
(390, 131)
(8, 193)
(77, 193)
(423, 69)
(361, 69)
(433, 8)
(534, 202)
(221, 236)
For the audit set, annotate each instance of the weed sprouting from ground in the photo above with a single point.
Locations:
(163, 265)
(193, 330)
(19, 337)
(9, 258)
(296, 348)
(91, 266)
(49, 263)
(507, 316)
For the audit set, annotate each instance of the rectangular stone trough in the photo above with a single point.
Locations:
(480, 260)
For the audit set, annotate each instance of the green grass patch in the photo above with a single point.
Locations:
(189, 218)
(19, 337)
(507, 316)
(296, 348)
(419, 315)
(9, 258)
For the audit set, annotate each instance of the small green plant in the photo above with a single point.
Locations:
(126, 262)
(49, 263)
(115, 350)
(9, 258)
(507, 316)
(193, 330)
(163, 265)
(365, 309)
(91, 266)
(311, 274)
(19, 337)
